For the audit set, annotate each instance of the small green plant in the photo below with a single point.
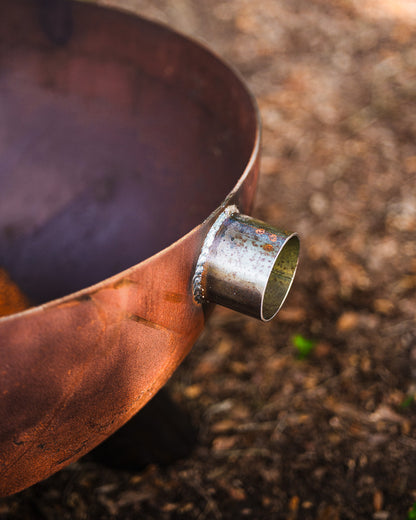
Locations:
(407, 401)
(411, 515)
(303, 345)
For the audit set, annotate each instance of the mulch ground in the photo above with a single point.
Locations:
(332, 435)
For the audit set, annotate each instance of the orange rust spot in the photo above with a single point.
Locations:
(144, 321)
(260, 231)
(268, 247)
(12, 299)
(173, 297)
(84, 297)
(73, 302)
(273, 238)
(124, 282)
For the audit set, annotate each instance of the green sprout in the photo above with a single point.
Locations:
(407, 401)
(303, 345)
(412, 513)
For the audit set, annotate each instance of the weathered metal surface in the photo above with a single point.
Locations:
(115, 144)
(246, 265)
(12, 299)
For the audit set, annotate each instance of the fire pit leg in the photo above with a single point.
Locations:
(160, 433)
(56, 20)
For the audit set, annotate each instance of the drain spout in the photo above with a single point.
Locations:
(246, 265)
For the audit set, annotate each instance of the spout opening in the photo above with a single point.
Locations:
(280, 279)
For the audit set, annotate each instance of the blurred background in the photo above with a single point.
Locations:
(311, 416)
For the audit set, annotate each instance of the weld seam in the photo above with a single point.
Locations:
(197, 287)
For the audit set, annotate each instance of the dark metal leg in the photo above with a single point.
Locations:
(56, 20)
(160, 433)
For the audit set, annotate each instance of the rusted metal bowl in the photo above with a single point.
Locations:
(119, 142)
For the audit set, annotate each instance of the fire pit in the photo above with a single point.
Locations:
(128, 160)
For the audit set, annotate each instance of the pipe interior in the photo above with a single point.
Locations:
(117, 137)
(280, 279)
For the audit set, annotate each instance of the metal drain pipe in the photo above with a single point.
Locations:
(246, 265)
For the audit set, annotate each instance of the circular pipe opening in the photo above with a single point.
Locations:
(280, 278)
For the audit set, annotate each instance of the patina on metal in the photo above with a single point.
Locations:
(246, 265)
(119, 142)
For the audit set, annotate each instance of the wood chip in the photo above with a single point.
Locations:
(348, 321)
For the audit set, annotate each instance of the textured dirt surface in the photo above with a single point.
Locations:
(331, 436)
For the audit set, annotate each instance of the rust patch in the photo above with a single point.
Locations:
(76, 301)
(147, 323)
(69, 457)
(174, 297)
(124, 282)
(267, 247)
(84, 298)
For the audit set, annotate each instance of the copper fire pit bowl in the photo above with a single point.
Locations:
(128, 158)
